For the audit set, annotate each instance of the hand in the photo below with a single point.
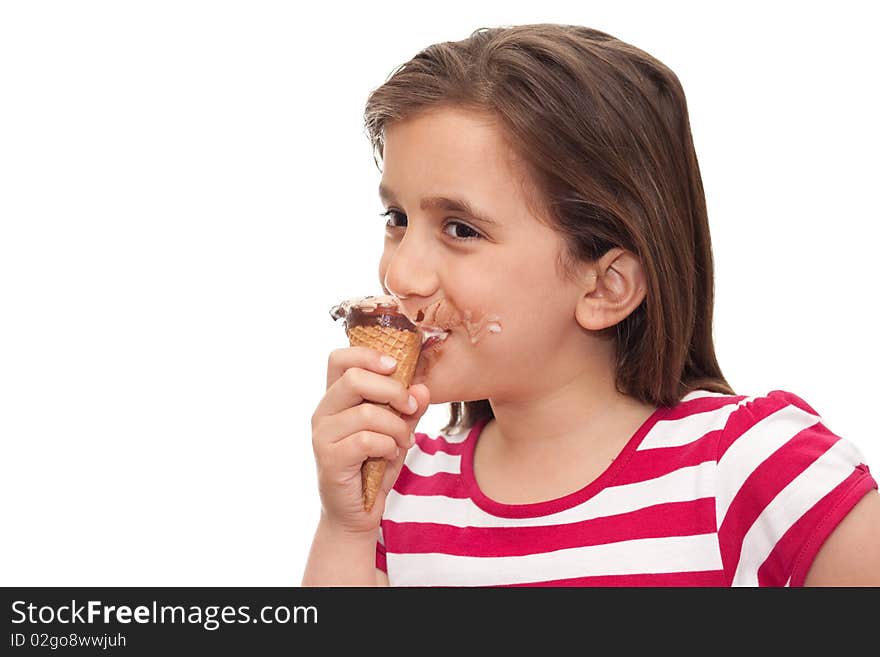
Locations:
(351, 424)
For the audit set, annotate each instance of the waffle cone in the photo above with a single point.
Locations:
(405, 347)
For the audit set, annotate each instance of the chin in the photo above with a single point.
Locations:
(449, 388)
(451, 373)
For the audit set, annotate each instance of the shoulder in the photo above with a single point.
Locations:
(740, 411)
(784, 480)
(773, 429)
(772, 408)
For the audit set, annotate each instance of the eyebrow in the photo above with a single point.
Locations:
(443, 203)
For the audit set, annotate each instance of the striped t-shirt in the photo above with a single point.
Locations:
(718, 490)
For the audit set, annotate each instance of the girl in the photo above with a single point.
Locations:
(545, 209)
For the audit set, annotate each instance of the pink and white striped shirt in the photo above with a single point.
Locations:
(718, 490)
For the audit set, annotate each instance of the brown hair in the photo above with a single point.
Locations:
(603, 129)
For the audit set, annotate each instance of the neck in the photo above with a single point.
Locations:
(586, 410)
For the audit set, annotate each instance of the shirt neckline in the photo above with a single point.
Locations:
(536, 509)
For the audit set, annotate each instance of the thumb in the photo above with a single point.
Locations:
(423, 397)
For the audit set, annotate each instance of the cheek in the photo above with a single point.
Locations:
(383, 268)
(533, 317)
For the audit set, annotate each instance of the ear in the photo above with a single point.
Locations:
(614, 286)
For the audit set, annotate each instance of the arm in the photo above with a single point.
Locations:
(364, 413)
(342, 558)
(851, 554)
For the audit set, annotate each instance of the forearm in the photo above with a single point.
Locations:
(341, 558)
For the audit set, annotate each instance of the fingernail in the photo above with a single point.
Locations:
(412, 404)
(412, 439)
(387, 362)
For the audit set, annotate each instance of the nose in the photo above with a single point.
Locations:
(409, 267)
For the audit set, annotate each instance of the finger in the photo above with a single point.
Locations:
(358, 447)
(357, 385)
(423, 400)
(369, 417)
(365, 358)
(423, 396)
(392, 472)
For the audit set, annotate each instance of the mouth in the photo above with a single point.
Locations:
(432, 337)
(433, 341)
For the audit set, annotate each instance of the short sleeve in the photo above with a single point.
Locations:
(784, 482)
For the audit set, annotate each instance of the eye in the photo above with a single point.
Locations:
(460, 231)
(454, 229)
(395, 219)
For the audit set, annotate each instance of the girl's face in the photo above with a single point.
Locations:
(464, 252)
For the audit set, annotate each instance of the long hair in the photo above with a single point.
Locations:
(604, 132)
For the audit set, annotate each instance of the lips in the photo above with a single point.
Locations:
(430, 342)
(433, 336)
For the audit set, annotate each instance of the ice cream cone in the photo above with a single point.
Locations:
(404, 346)
(376, 322)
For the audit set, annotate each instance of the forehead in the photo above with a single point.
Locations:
(460, 150)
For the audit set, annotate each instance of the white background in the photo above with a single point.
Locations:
(186, 188)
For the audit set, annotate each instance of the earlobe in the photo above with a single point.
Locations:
(614, 286)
